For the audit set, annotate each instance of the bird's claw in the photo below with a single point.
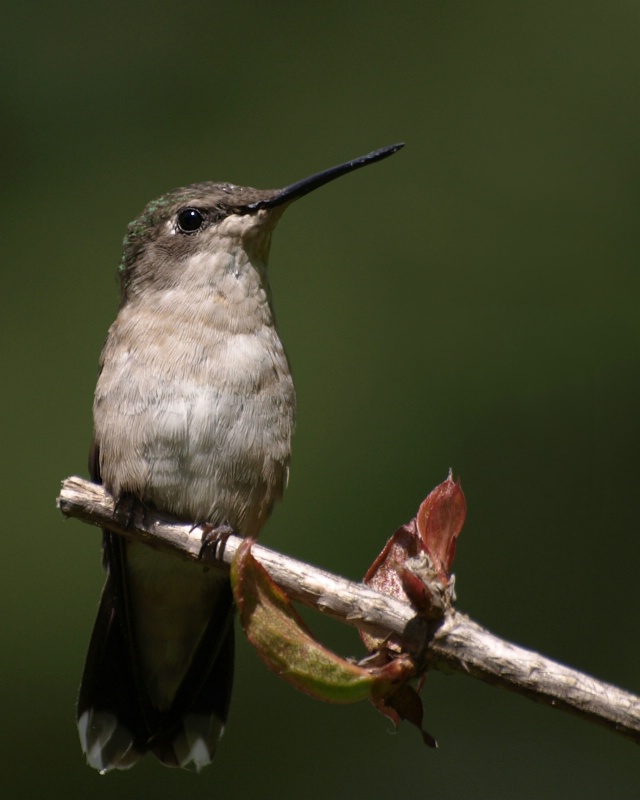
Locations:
(214, 539)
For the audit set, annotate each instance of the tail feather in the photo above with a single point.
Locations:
(106, 743)
(116, 722)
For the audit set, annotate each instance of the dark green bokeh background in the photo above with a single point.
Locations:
(472, 302)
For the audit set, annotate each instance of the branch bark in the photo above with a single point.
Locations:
(458, 645)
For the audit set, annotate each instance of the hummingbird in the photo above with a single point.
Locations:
(194, 411)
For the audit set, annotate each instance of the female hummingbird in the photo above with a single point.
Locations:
(193, 415)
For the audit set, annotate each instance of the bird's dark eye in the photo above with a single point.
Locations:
(190, 220)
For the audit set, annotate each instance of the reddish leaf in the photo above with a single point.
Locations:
(415, 566)
(405, 704)
(417, 590)
(439, 522)
(385, 572)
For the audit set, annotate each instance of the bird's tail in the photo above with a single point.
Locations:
(117, 723)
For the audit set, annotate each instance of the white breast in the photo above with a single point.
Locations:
(194, 419)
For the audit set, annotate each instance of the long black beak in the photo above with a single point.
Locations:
(307, 185)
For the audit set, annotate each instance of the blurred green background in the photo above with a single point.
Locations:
(470, 303)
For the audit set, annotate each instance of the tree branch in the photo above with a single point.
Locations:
(458, 645)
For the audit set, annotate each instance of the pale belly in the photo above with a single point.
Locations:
(205, 444)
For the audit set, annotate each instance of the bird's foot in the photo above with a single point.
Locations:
(214, 539)
(124, 508)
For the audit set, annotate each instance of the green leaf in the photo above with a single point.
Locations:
(286, 645)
